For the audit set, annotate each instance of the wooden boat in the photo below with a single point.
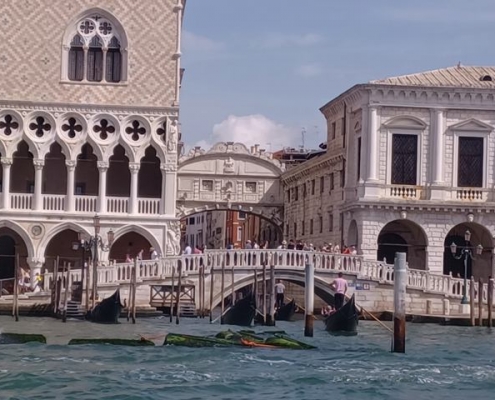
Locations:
(242, 312)
(286, 312)
(108, 311)
(344, 321)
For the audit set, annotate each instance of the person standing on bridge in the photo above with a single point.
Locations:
(340, 287)
(279, 290)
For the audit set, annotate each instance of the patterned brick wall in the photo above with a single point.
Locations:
(31, 52)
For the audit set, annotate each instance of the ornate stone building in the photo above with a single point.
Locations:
(409, 166)
(89, 107)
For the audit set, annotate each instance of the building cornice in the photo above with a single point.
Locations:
(310, 168)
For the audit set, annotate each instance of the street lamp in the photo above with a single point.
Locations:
(466, 253)
(92, 245)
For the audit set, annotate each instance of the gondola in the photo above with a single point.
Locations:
(242, 312)
(344, 321)
(108, 311)
(286, 312)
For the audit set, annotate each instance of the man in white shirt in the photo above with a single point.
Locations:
(153, 254)
(187, 249)
(279, 290)
(340, 287)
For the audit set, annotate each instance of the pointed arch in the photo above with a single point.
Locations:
(55, 231)
(145, 233)
(22, 233)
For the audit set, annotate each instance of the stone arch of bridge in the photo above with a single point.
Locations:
(323, 288)
(229, 176)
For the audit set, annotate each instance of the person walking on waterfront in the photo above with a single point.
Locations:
(340, 287)
(279, 290)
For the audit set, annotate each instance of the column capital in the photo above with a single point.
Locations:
(38, 163)
(134, 167)
(168, 167)
(7, 161)
(103, 165)
(70, 164)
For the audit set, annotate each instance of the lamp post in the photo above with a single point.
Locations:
(466, 253)
(92, 245)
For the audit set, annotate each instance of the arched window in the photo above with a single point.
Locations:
(95, 50)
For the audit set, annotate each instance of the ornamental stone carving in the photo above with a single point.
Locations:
(172, 139)
(229, 166)
(173, 238)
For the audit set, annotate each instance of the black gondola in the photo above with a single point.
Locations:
(108, 311)
(242, 312)
(286, 312)
(344, 321)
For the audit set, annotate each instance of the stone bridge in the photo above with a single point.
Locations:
(371, 281)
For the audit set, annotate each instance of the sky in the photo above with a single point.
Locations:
(257, 71)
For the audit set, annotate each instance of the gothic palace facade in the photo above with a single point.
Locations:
(89, 107)
(409, 166)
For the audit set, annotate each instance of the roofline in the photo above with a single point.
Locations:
(342, 95)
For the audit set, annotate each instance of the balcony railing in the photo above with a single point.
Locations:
(405, 192)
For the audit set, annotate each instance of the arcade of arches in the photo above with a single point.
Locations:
(11, 244)
(408, 237)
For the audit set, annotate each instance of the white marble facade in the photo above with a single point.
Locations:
(417, 197)
(89, 107)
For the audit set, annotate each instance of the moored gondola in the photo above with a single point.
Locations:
(344, 321)
(286, 312)
(108, 311)
(242, 312)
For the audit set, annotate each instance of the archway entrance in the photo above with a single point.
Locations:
(480, 266)
(406, 237)
(64, 245)
(130, 245)
(11, 245)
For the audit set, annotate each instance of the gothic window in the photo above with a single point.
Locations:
(404, 159)
(470, 164)
(94, 50)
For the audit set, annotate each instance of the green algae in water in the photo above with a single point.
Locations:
(198, 341)
(21, 338)
(116, 342)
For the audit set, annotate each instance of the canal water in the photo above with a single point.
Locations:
(440, 363)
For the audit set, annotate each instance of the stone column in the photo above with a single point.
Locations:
(437, 150)
(372, 175)
(133, 203)
(169, 188)
(38, 184)
(70, 199)
(6, 164)
(102, 187)
(35, 265)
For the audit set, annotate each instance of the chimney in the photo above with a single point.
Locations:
(256, 148)
(252, 149)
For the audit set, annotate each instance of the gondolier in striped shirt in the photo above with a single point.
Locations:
(340, 287)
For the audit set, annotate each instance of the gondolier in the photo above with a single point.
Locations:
(340, 287)
(279, 290)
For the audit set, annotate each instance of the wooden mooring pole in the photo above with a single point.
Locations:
(179, 289)
(400, 282)
(134, 289)
(222, 293)
(309, 298)
(263, 293)
(172, 296)
(490, 301)
(472, 294)
(232, 292)
(88, 281)
(66, 292)
(270, 320)
(203, 293)
(480, 302)
(15, 302)
(212, 283)
(200, 290)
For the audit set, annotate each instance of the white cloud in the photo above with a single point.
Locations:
(277, 40)
(196, 43)
(309, 70)
(251, 130)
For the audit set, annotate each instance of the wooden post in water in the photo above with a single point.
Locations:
(270, 321)
(212, 283)
(309, 298)
(200, 289)
(255, 289)
(472, 295)
(222, 293)
(179, 288)
(203, 294)
(172, 296)
(480, 302)
(134, 288)
(55, 285)
(490, 301)
(66, 293)
(15, 302)
(400, 282)
(88, 281)
(263, 293)
(232, 292)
